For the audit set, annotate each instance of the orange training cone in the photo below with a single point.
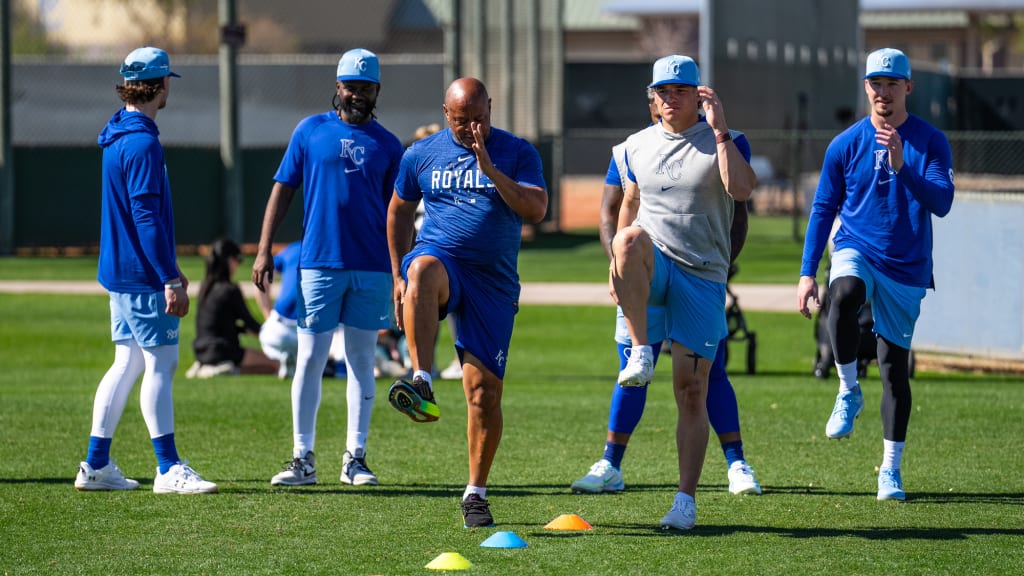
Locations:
(568, 522)
(449, 561)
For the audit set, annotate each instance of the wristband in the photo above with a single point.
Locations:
(723, 137)
(173, 285)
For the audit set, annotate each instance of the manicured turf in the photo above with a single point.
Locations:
(770, 256)
(963, 468)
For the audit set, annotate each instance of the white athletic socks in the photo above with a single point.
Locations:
(480, 491)
(425, 376)
(847, 376)
(892, 454)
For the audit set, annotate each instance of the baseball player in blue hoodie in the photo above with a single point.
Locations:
(138, 267)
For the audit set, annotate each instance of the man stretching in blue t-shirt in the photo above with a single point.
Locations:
(478, 184)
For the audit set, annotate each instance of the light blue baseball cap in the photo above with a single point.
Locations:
(675, 69)
(888, 62)
(146, 63)
(359, 64)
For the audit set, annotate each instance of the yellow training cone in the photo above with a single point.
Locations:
(449, 561)
(568, 522)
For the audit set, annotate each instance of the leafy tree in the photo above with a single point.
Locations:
(28, 33)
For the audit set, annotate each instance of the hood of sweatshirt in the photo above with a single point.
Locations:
(124, 122)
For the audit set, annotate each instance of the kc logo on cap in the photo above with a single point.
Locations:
(888, 62)
(359, 64)
(676, 69)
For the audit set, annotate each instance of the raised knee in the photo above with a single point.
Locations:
(629, 240)
(426, 270)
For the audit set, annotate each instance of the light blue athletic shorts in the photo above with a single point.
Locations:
(694, 308)
(484, 316)
(657, 331)
(351, 297)
(141, 317)
(895, 306)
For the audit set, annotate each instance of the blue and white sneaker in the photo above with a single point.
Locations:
(890, 485)
(603, 477)
(682, 515)
(107, 478)
(742, 480)
(848, 407)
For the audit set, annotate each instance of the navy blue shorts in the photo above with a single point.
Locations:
(484, 315)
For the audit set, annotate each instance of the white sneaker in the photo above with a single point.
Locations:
(107, 478)
(298, 472)
(355, 471)
(639, 367)
(181, 479)
(453, 371)
(603, 477)
(742, 479)
(682, 515)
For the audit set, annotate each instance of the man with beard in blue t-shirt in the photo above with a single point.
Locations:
(346, 163)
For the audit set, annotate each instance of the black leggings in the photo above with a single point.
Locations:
(847, 295)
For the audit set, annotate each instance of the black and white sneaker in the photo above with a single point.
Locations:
(298, 472)
(476, 512)
(355, 471)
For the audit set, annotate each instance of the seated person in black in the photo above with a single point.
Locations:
(221, 316)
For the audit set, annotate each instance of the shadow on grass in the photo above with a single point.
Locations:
(880, 533)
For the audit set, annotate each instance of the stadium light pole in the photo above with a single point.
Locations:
(232, 35)
(6, 149)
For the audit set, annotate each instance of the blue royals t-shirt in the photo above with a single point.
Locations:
(348, 173)
(464, 215)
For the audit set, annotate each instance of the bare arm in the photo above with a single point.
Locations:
(738, 232)
(737, 175)
(277, 208)
(630, 205)
(530, 202)
(611, 201)
(401, 226)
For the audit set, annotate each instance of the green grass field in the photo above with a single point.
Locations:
(769, 256)
(962, 468)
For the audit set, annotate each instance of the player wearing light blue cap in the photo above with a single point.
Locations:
(346, 163)
(672, 249)
(139, 268)
(884, 177)
(628, 402)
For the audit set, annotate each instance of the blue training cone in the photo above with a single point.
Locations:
(504, 540)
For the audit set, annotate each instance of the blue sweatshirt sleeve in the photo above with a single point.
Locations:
(146, 180)
(827, 198)
(934, 188)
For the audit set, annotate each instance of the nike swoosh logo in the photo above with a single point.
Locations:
(906, 335)
(709, 345)
(351, 170)
(885, 181)
(384, 317)
(663, 188)
(464, 158)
